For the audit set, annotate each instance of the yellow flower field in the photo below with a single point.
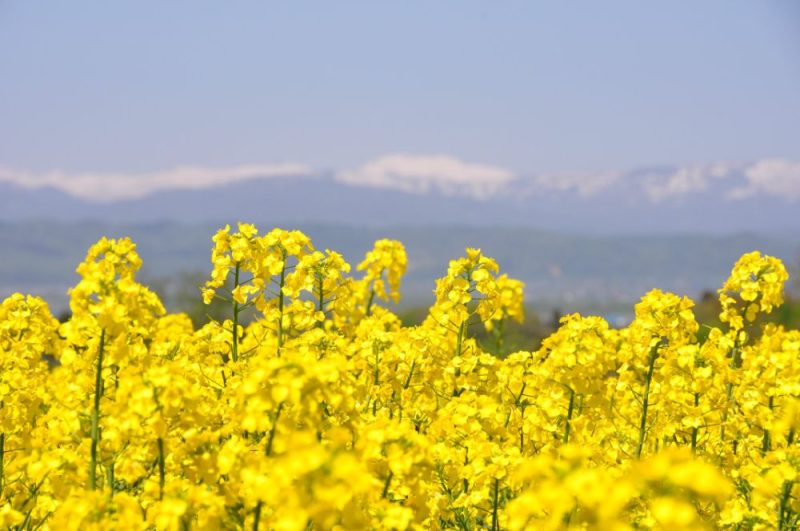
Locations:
(326, 412)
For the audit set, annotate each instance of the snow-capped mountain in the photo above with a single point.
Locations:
(413, 190)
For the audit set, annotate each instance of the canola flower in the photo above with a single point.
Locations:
(325, 412)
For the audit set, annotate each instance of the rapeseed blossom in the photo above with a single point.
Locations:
(326, 412)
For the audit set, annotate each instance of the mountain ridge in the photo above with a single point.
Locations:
(647, 200)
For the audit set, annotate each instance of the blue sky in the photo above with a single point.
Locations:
(526, 86)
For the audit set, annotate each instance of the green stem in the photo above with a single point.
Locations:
(784, 513)
(694, 430)
(495, 506)
(370, 301)
(460, 338)
(459, 347)
(376, 372)
(267, 452)
(98, 393)
(570, 409)
(257, 516)
(281, 303)
(386, 484)
(235, 348)
(320, 299)
(271, 437)
(110, 478)
(410, 374)
(766, 443)
(646, 399)
(407, 383)
(2, 459)
(736, 363)
(517, 404)
(161, 467)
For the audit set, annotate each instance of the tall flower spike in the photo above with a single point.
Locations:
(755, 286)
(387, 259)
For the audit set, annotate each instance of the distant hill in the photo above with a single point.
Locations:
(577, 240)
(662, 200)
(567, 271)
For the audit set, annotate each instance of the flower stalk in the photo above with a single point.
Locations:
(570, 409)
(646, 398)
(2, 460)
(161, 468)
(281, 303)
(98, 394)
(236, 310)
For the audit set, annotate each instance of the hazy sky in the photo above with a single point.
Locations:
(529, 86)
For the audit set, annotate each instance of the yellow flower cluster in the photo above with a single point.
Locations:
(325, 412)
(754, 286)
